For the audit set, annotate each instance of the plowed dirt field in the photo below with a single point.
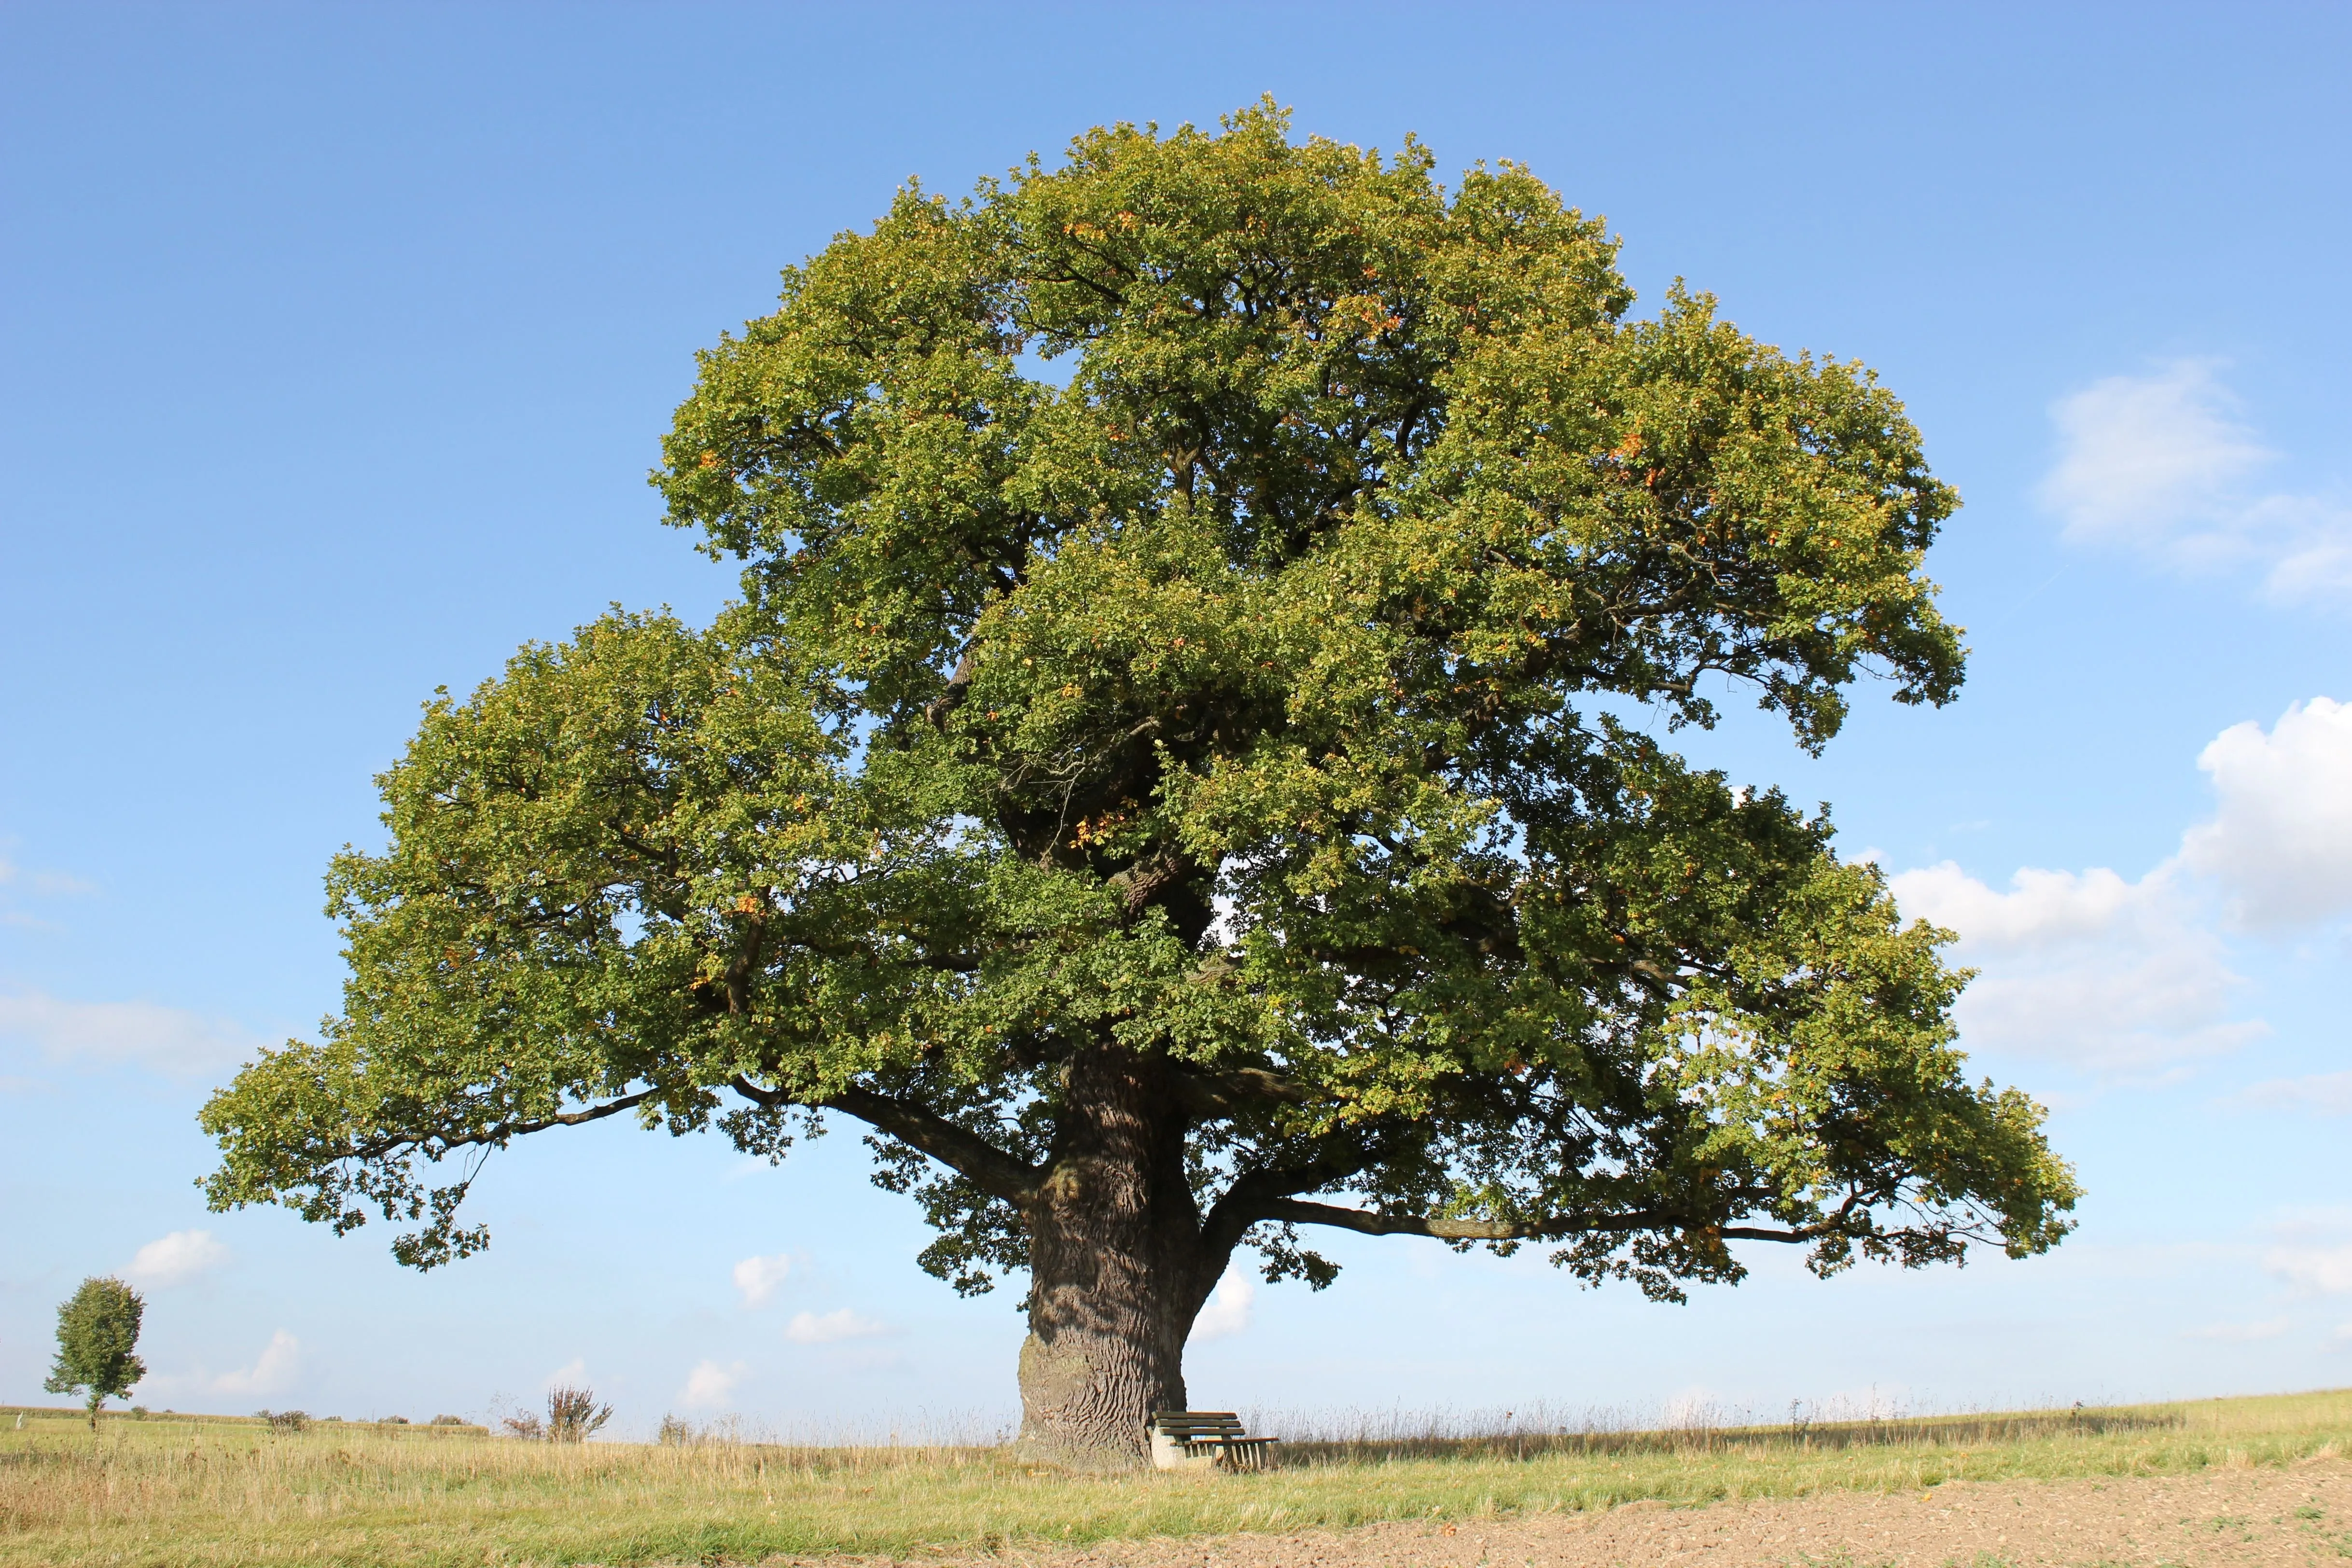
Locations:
(2279, 1518)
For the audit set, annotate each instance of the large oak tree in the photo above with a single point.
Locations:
(1183, 769)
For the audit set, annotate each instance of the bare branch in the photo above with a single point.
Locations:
(504, 1130)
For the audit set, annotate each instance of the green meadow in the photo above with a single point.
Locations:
(171, 1489)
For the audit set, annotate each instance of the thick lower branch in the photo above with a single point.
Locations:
(1333, 1160)
(1232, 1093)
(959, 1149)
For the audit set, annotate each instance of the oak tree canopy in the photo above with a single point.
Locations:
(1185, 770)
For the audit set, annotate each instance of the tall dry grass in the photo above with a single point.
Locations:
(186, 1491)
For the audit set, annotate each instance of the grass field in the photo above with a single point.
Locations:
(187, 1489)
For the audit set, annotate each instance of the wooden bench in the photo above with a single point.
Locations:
(1203, 1440)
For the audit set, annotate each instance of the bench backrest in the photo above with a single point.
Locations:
(1198, 1423)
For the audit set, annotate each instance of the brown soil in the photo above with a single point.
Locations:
(2297, 1516)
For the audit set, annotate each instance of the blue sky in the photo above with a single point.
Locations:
(338, 340)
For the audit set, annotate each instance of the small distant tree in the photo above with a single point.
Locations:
(97, 1330)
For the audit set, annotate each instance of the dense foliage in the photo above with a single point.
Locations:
(97, 1335)
(1211, 605)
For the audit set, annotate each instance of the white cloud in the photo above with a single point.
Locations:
(271, 1372)
(758, 1278)
(1228, 1311)
(2325, 1271)
(2113, 975)
(2159, 463)
(2040, 907)
(176, 1258)
(2132, 977)
(709, 1384)
(2322, 1094)
(2142, 458)
(572, 1374)
(2241, 1333)
(2281, 841)
(809, 1328)
(171, 1041)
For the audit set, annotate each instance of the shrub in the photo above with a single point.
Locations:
(524, 1425)
(573, 1414)
(449, 1421)
(285, 1421)
(674, 1433)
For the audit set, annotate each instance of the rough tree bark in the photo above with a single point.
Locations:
(1119, 1267)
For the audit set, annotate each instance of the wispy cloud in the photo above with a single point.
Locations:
(2150, 459)
(758, 1278)
(49, 883)
(813, 1328)
(272, 1372)
(170, 1041)
(2118, 978)
(2241, 1333)
(2319, 1271)
(17, 882)
(2322, 1093)
(176, 1258)
(2163, 463)
(709, 1384)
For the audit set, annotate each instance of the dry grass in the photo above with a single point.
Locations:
(173, 1491)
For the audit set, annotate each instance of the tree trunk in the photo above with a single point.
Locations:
(1117, 1269)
